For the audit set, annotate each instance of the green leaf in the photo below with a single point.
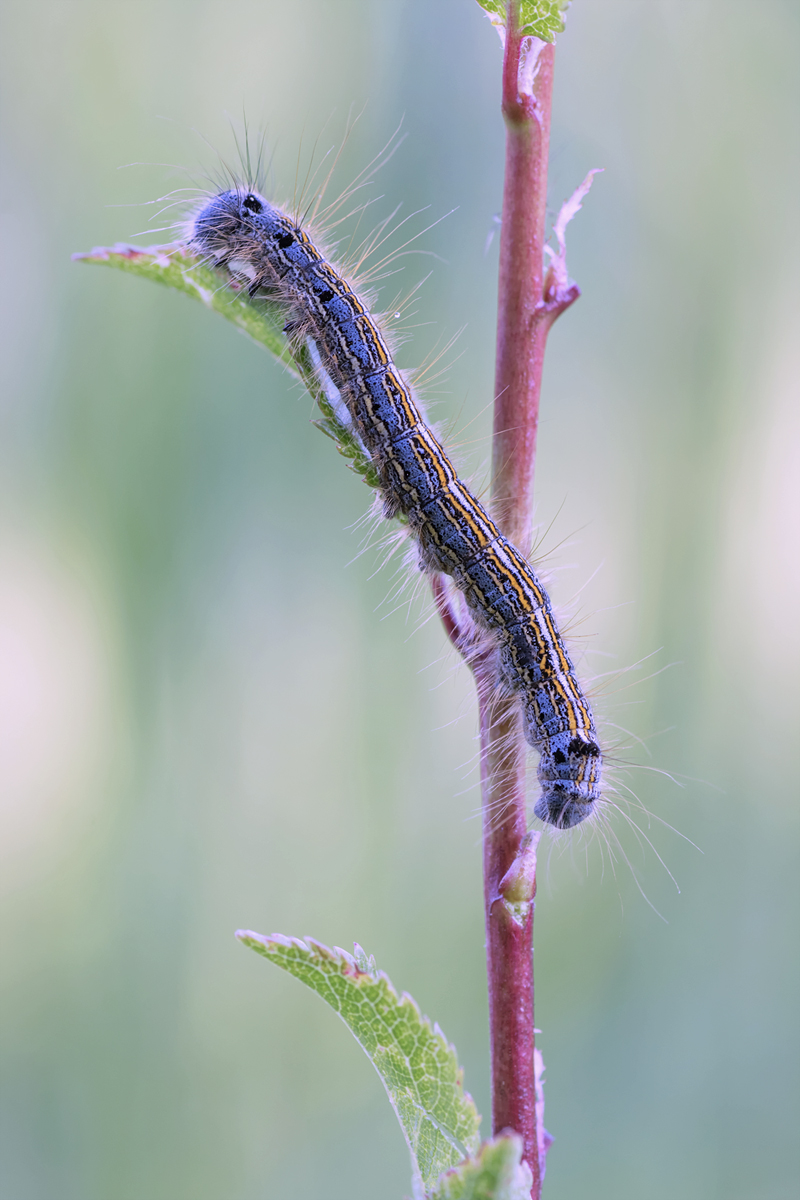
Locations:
(261, 319)
(495, 1173)
(418, 1067)
(537, 18)
(173, 267)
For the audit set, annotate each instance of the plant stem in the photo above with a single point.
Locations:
(524, 318)
(529, 301)
(509, 943)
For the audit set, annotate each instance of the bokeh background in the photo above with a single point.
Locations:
(215, 711)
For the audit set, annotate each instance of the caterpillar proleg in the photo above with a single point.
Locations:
(270, 253)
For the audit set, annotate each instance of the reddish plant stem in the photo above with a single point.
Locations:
(529, 301)
(509, 942)
(524, 318)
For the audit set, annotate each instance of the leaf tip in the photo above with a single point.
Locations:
(247, 936)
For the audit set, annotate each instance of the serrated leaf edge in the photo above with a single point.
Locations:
(309, 946)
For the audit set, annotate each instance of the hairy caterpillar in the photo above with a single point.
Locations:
(264, 248)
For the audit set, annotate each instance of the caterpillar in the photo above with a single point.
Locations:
(267, 251)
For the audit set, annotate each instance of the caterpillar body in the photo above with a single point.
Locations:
(263, 247)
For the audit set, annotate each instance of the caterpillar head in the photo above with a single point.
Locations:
(232, 229)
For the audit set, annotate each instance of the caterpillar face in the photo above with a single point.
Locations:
(241, 230)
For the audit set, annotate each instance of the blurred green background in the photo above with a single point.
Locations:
(216, 714)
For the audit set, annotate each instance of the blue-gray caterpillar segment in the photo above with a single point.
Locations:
(262, 247)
